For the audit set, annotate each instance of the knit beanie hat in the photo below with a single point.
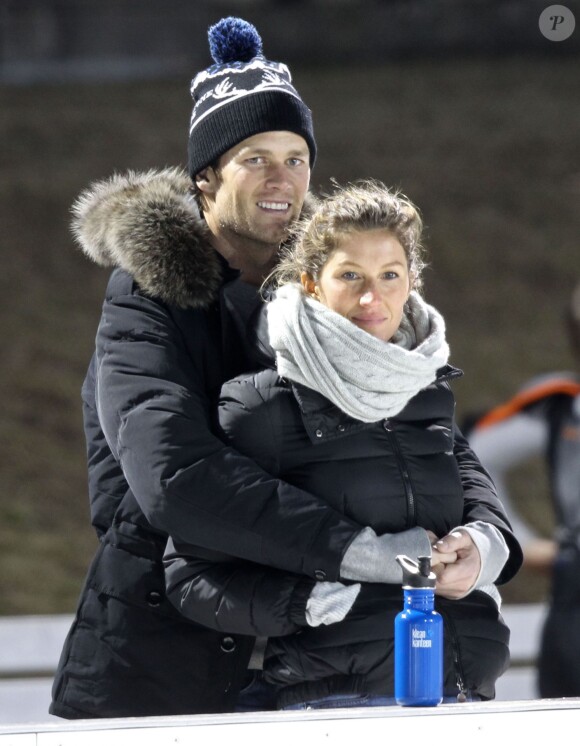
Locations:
(241, 95)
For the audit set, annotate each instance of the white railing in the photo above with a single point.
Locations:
(478, 724)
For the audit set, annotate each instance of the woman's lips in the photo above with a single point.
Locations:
(368, 319)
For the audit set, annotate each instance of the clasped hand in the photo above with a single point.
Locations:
(456, 562)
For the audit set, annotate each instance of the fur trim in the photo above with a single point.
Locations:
(149, 225)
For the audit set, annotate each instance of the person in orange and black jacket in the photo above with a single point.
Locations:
(543, 419)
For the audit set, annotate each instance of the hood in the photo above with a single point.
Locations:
(149, 225)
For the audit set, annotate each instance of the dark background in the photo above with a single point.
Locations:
(462, 104)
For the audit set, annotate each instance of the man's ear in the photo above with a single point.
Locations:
(206, 181)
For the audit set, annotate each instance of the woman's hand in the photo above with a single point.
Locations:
(439, 557)
(456, 578)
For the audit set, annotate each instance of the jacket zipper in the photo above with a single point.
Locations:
(410, 497)
(457, 665)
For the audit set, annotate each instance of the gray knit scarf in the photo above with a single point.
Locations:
(363, 376)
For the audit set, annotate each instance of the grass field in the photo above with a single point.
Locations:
(489, 149)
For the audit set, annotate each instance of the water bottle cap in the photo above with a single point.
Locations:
(416, 574)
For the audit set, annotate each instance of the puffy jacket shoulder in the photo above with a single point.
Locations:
(254, 412)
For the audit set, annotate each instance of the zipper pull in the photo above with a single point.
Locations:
(462, 696)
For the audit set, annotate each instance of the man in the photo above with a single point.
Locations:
(543, 419)
(171, 332)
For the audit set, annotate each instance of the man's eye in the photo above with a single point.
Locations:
(256, 160)
(295, 161)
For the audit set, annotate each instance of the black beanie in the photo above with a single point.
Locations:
(241, 95)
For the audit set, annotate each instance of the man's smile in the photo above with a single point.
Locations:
(275, 206)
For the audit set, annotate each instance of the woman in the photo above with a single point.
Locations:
(354, 404)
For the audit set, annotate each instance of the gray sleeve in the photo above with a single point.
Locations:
(371, 558)
(493, 552)
(329, 603)
(492, 549)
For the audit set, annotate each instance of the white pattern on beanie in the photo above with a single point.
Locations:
(241, 95)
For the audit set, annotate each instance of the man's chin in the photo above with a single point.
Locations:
(274, 226)
(272, 236)
(272, 233)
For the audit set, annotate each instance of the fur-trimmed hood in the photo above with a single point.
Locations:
(149, 225)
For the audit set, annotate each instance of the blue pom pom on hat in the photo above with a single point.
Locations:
(233, 40)
(241, 95)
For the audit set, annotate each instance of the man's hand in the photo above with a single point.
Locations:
(456, 578)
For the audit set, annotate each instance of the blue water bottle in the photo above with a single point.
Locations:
(418, 638)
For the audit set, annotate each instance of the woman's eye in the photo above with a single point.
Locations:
(390, 275)
(349, 276)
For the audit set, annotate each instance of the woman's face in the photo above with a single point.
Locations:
(366, 280)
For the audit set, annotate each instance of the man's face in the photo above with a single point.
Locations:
(258, 188)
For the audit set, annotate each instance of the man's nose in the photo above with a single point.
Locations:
(277, 176)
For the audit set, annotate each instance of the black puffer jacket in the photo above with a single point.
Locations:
(412, 470)
(167, 340)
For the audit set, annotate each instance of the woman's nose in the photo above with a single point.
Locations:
(368, 297)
